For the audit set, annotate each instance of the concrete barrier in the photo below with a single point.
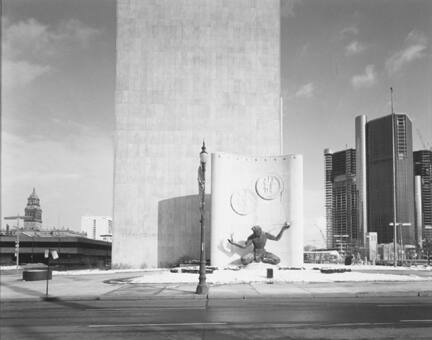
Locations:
(36, 274)
(334, 270)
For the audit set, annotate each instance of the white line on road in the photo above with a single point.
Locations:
(358, 324)
(143, 308)
(415, 320)
(161, 324)
(407, 305)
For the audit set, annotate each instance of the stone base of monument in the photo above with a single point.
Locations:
(37, 274)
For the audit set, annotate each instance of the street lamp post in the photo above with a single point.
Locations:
(202, 287)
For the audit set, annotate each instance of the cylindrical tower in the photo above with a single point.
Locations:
(418, 210)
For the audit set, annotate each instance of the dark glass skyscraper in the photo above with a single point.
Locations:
(381, 180)
(341, 199)
(423, 168)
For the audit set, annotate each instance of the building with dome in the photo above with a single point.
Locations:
(33, 213)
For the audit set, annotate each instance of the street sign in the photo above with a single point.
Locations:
(54, 254)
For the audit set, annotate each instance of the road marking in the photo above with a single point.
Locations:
(161, 324)
(415, 320)
(143, 308)
(359, 324)
(407, 305)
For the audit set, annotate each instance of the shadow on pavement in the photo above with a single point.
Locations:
(51, 299)
(22, 290)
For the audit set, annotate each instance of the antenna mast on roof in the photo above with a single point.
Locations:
(391, 99)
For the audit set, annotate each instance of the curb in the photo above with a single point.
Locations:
(223, 296)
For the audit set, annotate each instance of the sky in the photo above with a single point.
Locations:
(339, 59)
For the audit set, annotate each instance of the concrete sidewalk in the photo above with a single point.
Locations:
(116, 286)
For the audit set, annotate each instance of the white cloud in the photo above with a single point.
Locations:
(366, 79)
(305, 91)
(416, 37)
(415, 45)
(354, 48)
(29, 45)
(31, 38)
(348, 31)
(21, 73)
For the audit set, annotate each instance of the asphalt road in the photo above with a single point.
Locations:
(258, 318)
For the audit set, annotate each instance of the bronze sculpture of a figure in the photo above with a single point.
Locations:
(259, 239)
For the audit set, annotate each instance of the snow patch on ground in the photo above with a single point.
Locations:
(257, 272)
(104, 272)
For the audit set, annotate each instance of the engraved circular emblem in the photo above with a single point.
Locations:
(243, 202)
(269, 187)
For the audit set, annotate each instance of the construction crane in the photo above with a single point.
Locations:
(322, 234)
(422, 141)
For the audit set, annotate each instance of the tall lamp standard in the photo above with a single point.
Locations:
(202, 287)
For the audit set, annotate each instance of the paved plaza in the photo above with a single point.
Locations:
(155, 284)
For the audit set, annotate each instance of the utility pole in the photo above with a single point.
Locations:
(18, 217)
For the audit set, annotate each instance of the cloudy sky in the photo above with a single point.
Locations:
(339, 59)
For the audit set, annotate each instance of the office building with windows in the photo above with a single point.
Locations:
(97, 227)
(341, 199)
(423, 168)
(390, 167)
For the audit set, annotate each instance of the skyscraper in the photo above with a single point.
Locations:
(382, 179)
(341, 199)
(423, 168)
(361, 178)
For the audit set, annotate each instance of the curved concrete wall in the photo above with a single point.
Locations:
(256, 190)
(187, 70)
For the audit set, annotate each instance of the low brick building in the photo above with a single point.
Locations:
(74, 251)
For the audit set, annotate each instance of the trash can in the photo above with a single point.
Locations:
(269, 273)
(37, 274)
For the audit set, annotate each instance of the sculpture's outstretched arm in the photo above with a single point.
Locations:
(247, 243)
(277, 238)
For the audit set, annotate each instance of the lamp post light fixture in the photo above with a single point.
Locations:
(202, 287)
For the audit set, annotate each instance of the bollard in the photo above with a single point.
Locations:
(269, 273)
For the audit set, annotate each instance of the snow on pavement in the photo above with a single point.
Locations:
(257, 272)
